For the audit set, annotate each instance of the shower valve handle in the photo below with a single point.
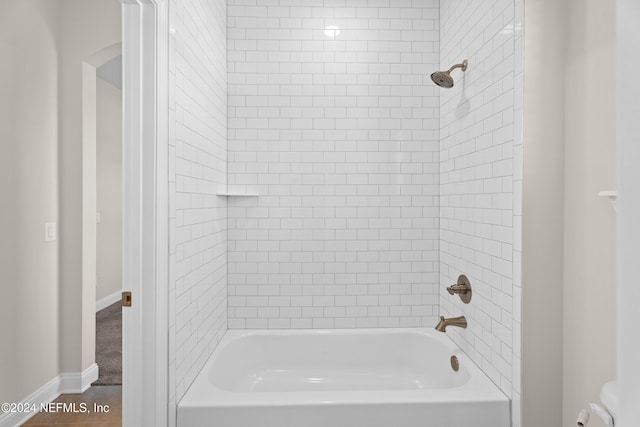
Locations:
(462, 289)
(458, 289)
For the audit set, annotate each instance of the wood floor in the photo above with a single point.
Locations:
(103, 396)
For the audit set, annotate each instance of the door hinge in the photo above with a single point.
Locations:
(126, 299)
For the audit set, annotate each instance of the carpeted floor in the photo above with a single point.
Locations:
(109, 345)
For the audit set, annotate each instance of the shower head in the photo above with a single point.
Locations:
(444, 79)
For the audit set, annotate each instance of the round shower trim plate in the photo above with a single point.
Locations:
(465, 297)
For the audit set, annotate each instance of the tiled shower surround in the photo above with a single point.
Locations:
(334, 124)
(359, 189)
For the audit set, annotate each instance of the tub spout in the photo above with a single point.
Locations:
(460, 322)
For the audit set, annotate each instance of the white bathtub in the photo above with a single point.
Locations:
(341, 378)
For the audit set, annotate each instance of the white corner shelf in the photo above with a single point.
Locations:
(612, 195)
(221, 194)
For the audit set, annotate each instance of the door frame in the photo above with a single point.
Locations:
(145, 212)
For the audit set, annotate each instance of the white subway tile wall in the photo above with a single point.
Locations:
(197, 169)
(333, 122)
(479, 163)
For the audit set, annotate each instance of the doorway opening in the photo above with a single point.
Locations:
(109, 222)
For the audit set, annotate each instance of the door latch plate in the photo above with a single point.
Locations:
(126, 299)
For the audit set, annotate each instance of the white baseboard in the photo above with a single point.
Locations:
(43, 395)
(63, 383)
(78, 382)
(108, 300)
